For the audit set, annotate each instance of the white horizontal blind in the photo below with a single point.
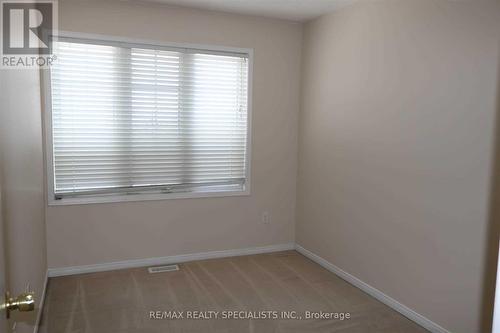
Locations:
(129, 119)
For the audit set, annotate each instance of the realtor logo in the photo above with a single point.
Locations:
(27, 27)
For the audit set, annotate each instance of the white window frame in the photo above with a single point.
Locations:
(47, 120)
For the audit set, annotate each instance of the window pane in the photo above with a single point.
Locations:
(126, 118)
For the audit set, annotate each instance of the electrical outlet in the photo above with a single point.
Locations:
(266, 218)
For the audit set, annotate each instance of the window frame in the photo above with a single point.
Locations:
(110, 198)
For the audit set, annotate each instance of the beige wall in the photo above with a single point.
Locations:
(396, 140)
(22, 186)
(90, 234)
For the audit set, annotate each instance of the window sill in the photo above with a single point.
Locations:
(145, 197)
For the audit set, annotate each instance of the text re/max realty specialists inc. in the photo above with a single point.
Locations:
(237, 314)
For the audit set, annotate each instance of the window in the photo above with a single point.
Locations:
(134, 119)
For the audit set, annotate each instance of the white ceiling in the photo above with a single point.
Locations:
(296, 10)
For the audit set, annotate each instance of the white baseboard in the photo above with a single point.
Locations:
(41, 303)
(392, 303)
(63, 271)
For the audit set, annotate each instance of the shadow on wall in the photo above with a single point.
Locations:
(493, 231)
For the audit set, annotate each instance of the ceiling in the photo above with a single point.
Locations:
(295, 10)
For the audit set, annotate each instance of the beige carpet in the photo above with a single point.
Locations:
(259, 293)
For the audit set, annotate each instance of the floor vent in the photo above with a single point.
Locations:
(163, 269)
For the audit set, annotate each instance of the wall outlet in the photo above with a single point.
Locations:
(266, 219)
